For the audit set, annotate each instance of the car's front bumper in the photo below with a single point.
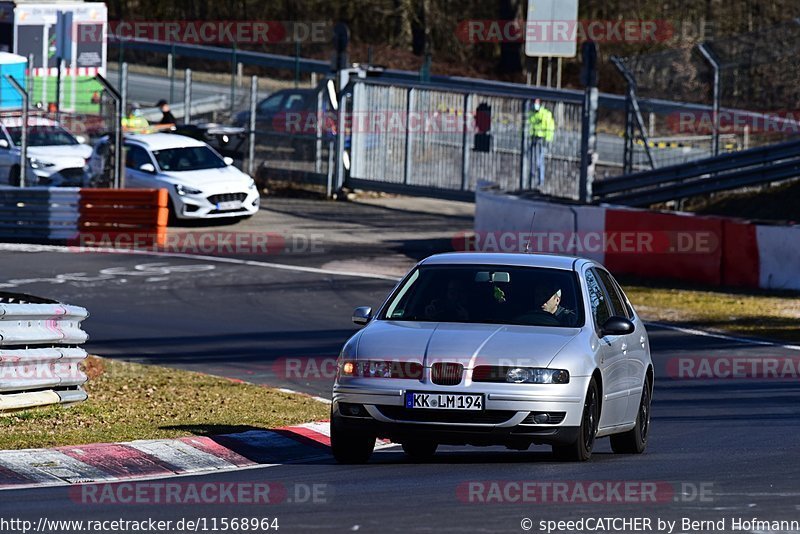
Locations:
(505, 420)
(204, 205)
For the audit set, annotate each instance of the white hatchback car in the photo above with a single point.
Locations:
(55, 156)
(201, 183)
(496, 349)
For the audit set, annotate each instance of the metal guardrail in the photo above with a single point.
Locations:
(45, 213)
(755, 166)
(39, 359)
(199, 107)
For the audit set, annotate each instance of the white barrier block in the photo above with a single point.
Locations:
(779, 256)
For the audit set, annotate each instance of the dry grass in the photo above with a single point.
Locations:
(130, 401)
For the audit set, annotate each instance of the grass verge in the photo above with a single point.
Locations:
(129, 401)
(768, 315)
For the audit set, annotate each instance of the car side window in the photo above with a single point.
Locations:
(618, 306)
(597, 298)
(136, 156)
(271, 104)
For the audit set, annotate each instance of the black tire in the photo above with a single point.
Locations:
(581, 449)
(634, 441)
(350, 446)
(13, 176)
(420, 450)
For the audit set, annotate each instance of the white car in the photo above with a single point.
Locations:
(201, 183)
(496, 349)
(55, 156)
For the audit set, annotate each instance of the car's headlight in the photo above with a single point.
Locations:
(39, 164)
(535, 375)
(184, 190)
(519, 375)
(379, 369)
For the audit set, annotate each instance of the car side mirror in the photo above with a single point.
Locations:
(617, 326)
(228, 160)
(362, 315)
(147, 167)
(3, 143)
(81, 139)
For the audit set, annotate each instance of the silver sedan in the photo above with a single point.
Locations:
(496, 349)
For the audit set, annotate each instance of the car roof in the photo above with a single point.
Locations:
(550, 261)
(162, 141)
(16, 121)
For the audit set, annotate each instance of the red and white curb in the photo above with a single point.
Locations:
(164, 458)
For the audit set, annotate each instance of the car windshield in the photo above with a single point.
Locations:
(190, 158)
(495, 294)
(42, 136)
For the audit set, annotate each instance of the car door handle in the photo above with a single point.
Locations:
(624, 348)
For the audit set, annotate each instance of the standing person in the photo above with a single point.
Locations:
(541, 128)
(166, 115)
(133, 120)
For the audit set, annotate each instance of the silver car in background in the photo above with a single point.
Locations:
(496, 349)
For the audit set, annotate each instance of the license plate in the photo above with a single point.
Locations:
(229, 205)
(444, 401)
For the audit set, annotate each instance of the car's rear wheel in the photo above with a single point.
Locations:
(581, 449)
(420, 449)
(350, 446)
(634, 441)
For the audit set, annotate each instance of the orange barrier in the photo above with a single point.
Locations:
(123, 217)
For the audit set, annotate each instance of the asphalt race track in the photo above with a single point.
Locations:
(718, 448)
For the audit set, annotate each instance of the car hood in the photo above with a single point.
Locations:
(59, 153)
(229, 175)
(468, 344)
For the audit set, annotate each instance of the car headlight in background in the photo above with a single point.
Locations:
(519, 375)
(39, 164)
(184, 190)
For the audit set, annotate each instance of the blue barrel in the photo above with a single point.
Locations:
(15, 66)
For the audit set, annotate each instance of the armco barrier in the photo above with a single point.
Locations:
(39, 213)
(85, 216)
(708, 250)
(39, 360)
(113, 214)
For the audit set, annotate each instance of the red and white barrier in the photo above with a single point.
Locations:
(682, 246)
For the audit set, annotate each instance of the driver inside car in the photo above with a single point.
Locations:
(548, 310)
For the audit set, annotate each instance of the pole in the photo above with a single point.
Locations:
(187, 96)
(58, 86)
(112, 92)
(296, 64)
(251, 153)
(712, 59)
(171, 75)
(233, 77)
(23, 139)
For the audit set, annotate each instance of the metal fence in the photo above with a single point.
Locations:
(39, 357)
(414, 137)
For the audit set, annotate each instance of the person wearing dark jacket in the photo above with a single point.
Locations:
(167, 117)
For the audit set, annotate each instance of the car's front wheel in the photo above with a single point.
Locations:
(420, 450)
(350, 446)
(581, 449)
(634, 441)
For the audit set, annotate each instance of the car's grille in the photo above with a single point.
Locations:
(553, 418)
(213, 212)
(485, 417)
(74, 172)
(227, 197)
(446, 373)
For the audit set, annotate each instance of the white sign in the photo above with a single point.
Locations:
(551, 28)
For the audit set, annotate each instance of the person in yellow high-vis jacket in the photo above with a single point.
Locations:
(133, 122)
(541, 128)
